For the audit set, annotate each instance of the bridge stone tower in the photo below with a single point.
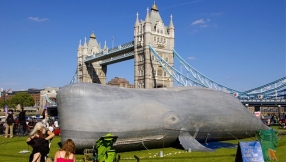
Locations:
(148, 72)
(91, 72)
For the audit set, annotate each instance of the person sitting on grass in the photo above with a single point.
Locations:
(39, 141)
(30, 124)
(283, 125)
(66, 154)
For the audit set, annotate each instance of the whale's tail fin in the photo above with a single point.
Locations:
(190, 143)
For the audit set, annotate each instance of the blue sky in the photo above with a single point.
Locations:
(240, 44)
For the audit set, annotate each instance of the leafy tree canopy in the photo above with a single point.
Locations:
(7, 102)
(23, 99)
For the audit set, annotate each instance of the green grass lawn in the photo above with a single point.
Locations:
(10, 148)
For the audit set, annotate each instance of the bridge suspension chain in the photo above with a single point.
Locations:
(74, 78)
(203, 79)
(266, 91)
(49, 100)
(174, 73)
(199, 79)
(269, 88)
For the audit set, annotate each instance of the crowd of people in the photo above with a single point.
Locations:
(22, 125)
(271, 119)
(40, 133)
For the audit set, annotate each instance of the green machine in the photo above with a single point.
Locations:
(102, 151)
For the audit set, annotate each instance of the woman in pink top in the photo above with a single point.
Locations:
(66, 154)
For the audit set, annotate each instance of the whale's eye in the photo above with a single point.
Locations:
(171, 118)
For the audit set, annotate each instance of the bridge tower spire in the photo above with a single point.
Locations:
(148, 72)
(90, 72)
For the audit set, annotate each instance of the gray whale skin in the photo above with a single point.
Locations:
(151, 118)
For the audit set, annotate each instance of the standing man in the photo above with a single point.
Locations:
(22, 121)
(9, 123)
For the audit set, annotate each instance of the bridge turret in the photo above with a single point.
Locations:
(79, 54)
(92, 45)
(171, 32)
(136, 28)
(105, 48)
(137, 20)
(84, 52)
(154, 7)
(147, 19)
(79, 49)
(171, 25)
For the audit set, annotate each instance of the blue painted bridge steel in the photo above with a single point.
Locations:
(113, 55)
(264, 102)
(126, 51)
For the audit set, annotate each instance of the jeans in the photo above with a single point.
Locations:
(21, 130)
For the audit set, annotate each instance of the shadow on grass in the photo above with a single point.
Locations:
(200, 157)
(218, 145)
(212, 145)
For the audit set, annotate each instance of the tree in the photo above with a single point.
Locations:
(23, 99)
(7, 102)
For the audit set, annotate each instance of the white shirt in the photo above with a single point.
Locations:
(56, 124)
(51, 128)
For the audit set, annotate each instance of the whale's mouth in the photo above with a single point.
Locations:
(138, 140)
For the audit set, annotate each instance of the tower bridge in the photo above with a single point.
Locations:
(152, 50)
(93, 60)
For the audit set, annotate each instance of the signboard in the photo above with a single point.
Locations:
(249, 152)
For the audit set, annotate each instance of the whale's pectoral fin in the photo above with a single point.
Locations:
(190, 143)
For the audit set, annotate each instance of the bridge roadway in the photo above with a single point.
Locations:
(265, 102)
(113, 55)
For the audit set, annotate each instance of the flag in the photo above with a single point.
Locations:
(6, 109)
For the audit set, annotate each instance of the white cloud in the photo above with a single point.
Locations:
(201, 21)
(191, 58)
(37, 19)
(216, 14)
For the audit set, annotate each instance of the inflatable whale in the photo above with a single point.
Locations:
(151, 118)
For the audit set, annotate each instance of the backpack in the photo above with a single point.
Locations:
(10, 119)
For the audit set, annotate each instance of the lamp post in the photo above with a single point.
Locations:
(246, 105)
(279, 110)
